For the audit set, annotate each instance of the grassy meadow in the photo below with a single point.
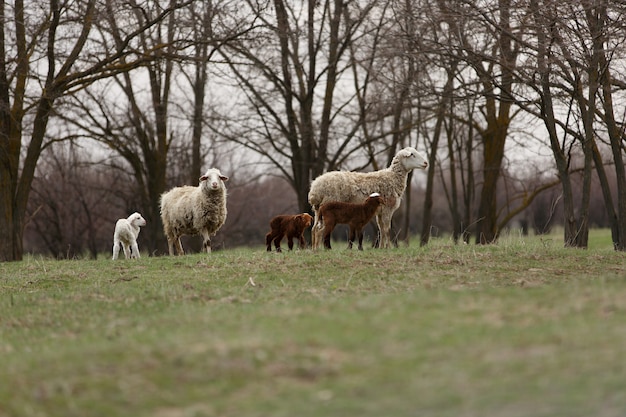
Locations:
(520, 328)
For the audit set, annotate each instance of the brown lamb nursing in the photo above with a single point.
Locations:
(355, 215)
(290, 225)
(354, 187)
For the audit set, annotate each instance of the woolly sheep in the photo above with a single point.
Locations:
(197, 210)
(292, 226)
(355, 215)
(125, 235)
(354, 187)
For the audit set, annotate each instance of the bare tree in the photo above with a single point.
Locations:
(604, 46)
(210, 26)
(494, 65)
(137, 126)
(66, 216)
(289, 71)
(441, 49)
(57, 33)
(154, 107)
(576, 76)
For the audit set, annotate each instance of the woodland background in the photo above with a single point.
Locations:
(106, 104)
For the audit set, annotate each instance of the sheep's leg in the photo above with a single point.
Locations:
(351, 237)
(179, 247)
(316, 231)
(268, 241)
(206, 242)
(277, 241)
(313, 230)
(171, 242)
(384, 224)
(290, 241)
(302, 242)
(134, 250)
(116, 249)
(327, 234)
(126, 250)
(360, 233)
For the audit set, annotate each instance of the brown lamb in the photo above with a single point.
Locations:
(290, 225)
(355, 215)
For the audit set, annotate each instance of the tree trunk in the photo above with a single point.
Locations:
(8, 246)
(199, 88)
(588, 111)
(467, 177)
(430, 178)
(406, 222)
(493, 153)
(11, 116)
(618, 220)
(549, 119)
(457, 223)
(607, 195)
(498, 120)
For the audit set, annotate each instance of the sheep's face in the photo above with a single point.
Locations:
(412, 159)
(136, 220)
(305, 220)
(376, 199)
(214, 179)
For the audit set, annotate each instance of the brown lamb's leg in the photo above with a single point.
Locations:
(277, 240)
(327, 238)
(302, 241)
(360, 233)
(268, 241)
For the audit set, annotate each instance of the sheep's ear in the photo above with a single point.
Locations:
(223, 177)
(203, 178)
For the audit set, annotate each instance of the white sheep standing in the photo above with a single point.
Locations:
(355, 187)
(125, 235)
(197, 210)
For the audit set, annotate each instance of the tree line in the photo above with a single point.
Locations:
(148, 93)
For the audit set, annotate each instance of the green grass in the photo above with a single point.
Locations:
(521, 328)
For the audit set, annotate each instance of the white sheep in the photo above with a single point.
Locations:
(125, 235)
(197, 210)
(355, 187)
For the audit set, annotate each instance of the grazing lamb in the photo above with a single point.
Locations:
(125, 235)
(197, 210)
(354, 187)
(292, 226)
(355, 215)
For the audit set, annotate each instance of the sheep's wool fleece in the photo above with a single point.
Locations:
(125, 231)
(188, 210)
(355, 187)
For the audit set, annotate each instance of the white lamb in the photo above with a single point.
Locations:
(126, 233)
(355, 187)
(197, 210)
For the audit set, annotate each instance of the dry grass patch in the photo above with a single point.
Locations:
(522, 327)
